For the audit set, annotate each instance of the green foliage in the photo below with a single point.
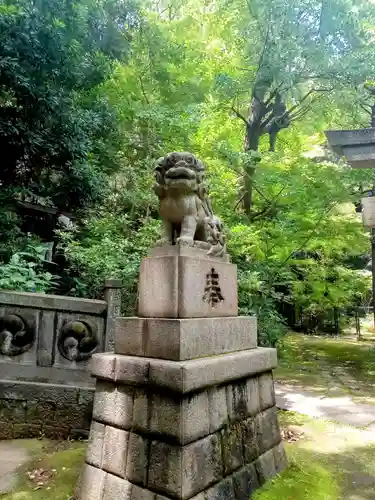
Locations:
(82, 120)
(109, 246)
(295, 248)
(53, 126)
(305, 479)
(24, 272)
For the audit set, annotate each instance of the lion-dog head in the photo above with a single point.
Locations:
(179, 173)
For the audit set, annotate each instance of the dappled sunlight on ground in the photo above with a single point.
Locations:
(348, 452)
(334, 367)
(341, 409)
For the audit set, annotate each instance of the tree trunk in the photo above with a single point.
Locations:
(252, 138)
(251, 144)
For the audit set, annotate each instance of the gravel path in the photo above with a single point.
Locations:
(341, 409)
(12, 456)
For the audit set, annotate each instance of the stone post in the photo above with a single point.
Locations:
(112, 295)
(185, 406)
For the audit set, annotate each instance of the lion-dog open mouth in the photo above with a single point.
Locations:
(176, 173)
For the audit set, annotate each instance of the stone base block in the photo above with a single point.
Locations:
(175, 286)
(216, 441)
(97, 484)
(183, 339)
(183, 376)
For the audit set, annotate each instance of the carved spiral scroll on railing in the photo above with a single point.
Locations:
(16, 335)
(77, 341)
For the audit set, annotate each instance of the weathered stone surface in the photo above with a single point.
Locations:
(237, 400)
(135, 372)
(113, 404)
(182, 251)
(195, 417)
(12, 410)
(32, 391)
(265, 466)
(143, 494)
(86, 397)
(137, 461)
(24, 352)
(94, 448)
(164, 472)
(41, 412)
(355, 145)
(44, 301)
(187, 376)
(6, 430)
(35, 416)
(45, 339)
(63, 376)
(92, 483)
(26, 431)
(201, 496)
(79, 434)
(183, 419)
(217, 408)
(195, 374)
(94, 330)
(115, 451)
(112, 295)
(267, 430)
(183, 339)
(103, 366)
(141, 411)
(116, 488)
(174, 287)
(182, 472)
(253, 402)
(128, 369)
(245, 482)
(266, 391)
(166, 415)
(232, 448)
(221, 491)
(73, 416)
(281, 461)
(249, 440)
(201, 465)
(368, 210)
(130, 336)
(184, 205)
(56, 432)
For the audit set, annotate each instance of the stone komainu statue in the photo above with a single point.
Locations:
(184, 205)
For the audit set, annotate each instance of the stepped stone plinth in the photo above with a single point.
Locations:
(185, 406)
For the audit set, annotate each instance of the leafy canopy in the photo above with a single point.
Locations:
(53, 125)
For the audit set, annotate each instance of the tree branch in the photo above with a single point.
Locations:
(321, 17)
(143, 90)
(269, 207)
(308, 237)
(261, 194)
(299, 114)
(306, 96)
(239, 201)
(367, 110)
(266, 122)
(238, 114)
(273, 94)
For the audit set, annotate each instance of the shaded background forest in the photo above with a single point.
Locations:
(93, 92)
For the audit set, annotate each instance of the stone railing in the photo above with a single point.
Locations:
(46, 342)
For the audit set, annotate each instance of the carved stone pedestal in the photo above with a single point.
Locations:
(185, 408)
